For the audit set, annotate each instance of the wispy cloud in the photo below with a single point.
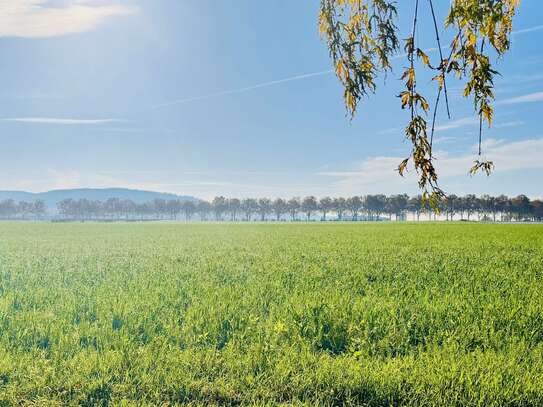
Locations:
(42, 18)
(529, 98)
(377, 174)
(454, 124)
(512, 123)
(243, 90)
(298, 77)
(471, 120)
(524, 78)
(260, 85)
(61, 121)
(445, 139)
(528, 30)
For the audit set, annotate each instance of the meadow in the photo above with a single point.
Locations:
(266, 314)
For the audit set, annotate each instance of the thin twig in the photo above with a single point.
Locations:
(439, 91)
(442, 61)
(412, 57)
(480, 132)
(434, 118)
(481, 113)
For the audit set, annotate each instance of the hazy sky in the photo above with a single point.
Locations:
(208, 97)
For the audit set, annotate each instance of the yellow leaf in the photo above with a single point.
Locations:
(487, 112)
(439, 80)
(350, 101)
(339, 69)
(403, 166)
(323, 23)
(425, 59)
(405, 98)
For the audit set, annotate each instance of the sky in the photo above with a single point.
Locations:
(236, 98)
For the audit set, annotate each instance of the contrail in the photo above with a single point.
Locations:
(260, 85)
(297, 77)
(246, 89)
(56, 120)
(528, 30)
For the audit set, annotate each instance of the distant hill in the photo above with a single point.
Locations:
(95, 194)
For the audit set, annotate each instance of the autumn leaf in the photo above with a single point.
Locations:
(424, 57)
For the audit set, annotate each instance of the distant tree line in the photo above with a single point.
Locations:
(356, 208)
(10, 209)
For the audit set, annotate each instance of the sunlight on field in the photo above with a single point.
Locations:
(371, 314)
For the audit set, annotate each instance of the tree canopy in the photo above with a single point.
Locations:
(363, 37)
(354, 208)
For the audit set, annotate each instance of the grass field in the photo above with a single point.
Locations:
(361, 314)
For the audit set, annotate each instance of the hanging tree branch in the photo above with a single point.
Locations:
(362, 37)
(443, 63)
(440, 78)
(410, 48)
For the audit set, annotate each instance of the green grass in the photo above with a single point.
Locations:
(361, 314)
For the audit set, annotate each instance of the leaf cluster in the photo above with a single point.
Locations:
(363, 37)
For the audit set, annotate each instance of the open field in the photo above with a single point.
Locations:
(371, 314)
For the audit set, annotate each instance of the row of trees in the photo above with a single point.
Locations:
(368, 207)
(10, 209)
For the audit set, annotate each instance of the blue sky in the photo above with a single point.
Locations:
(209, 97)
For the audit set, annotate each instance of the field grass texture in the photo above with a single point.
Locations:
(267, 314)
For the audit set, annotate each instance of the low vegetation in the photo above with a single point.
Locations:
(328, 314)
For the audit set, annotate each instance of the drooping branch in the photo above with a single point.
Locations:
(411, 56)
(362, 37)
(443, 64)
(434, 117)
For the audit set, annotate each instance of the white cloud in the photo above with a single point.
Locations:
(264, 84)
(445, 139)
(41, 18)
(309, 75)
(528, 30)
(55, 120)
(456, 124)
(524, 78)
(378, 174)
(512, 123)
(245, 89)
(529, 98)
